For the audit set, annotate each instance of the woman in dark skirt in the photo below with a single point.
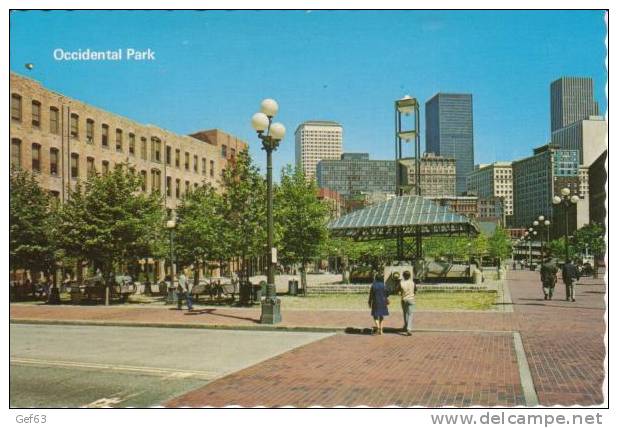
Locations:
(378, 302)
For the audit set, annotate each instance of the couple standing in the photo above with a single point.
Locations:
(378, 301)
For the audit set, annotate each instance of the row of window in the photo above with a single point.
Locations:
(54, 159)
(155, 145)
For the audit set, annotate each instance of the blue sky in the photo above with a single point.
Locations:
(213, 68)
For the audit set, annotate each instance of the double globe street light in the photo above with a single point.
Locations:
(566, 201)
(543, 225)
(271, 134)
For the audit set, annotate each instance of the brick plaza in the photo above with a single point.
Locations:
(453, 359)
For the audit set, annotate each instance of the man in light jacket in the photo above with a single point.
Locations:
(184, 291)
(407, 290)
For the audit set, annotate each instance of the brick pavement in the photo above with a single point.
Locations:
(563, 343)
(358, 370)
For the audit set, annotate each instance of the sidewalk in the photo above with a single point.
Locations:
(455, 358)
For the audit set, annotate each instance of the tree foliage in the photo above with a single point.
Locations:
(244, 209)
(500, 245)
(301, 218)
(31, 220)
(200, 225)
(590, 237)
(108, 222)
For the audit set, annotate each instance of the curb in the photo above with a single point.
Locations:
(257, 327)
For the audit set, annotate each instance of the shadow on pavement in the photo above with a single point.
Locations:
(368, 331)
(211, 311)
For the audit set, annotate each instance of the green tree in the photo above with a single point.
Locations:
(108, 222)
(200, 227)
(499, 245)
(244, 209)
(557, 248)
(31, 215)
(590, 239)
(301, 218)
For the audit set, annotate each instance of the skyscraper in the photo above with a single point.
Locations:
(449, 132)
(571, 100)
(317, 140)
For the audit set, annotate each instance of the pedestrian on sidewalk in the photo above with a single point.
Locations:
(548, 277)
(570, 276)
(184, 291)
(407, 289)
(378, 302)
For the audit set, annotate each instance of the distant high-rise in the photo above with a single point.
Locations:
(494, 180)
(449, 132)
(572, 99)
(353, 175)
(317, 140)
(438, 175)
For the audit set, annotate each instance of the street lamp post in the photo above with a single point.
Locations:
(171, 226)
(270, 134)
(544, 226)
(566, 201)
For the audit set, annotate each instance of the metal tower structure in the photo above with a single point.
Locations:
(407, 107)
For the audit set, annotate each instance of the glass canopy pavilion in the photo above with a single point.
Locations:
(405, 215)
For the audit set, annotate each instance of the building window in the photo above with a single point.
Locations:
(203, 166)
(195, 165)
(90, 166)
(16, 107)
(187, 187)
(54, 120)
(104, 167)
(223, 151)
(177, 158)
(156, 149)
(75, 125)
(16, 152)
(212, 168)
(144, 175)
(187, 157)
(118, 140)
(168, 155)
(132, 144)
(105, 136)
(177, 188)
(144, 148)
(53, 161)
(168, 186)
(156, 180)
(74, 165)
(232, 153)
(36, 114)
(36, 157)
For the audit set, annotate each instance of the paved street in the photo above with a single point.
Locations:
(534, 351)
(74, 366)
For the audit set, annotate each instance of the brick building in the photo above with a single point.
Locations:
(62, 140)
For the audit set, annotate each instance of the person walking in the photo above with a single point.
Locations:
(548, 277)
(184, 291)
(407, 289)
(570, 276)
(378, 302)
